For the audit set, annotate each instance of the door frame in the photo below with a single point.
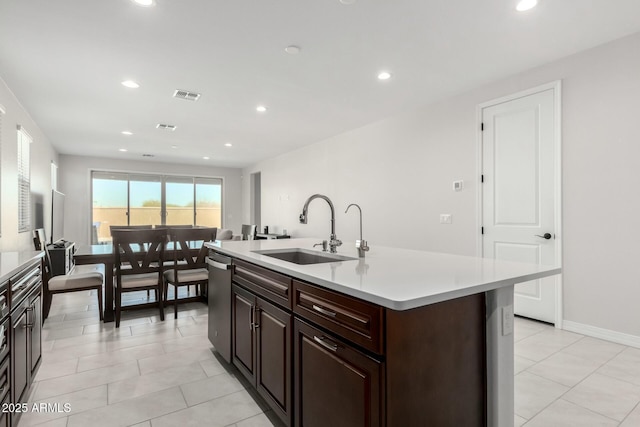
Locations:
(557, 136)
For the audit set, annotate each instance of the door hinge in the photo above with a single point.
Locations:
(481, 126)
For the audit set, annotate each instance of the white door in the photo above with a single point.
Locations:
(519, 192)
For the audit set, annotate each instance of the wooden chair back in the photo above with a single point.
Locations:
(188, 246)
(139, 250)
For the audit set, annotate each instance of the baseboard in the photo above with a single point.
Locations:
(605, 334)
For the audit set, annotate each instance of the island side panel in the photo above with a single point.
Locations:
(500, 364)
(436, 364)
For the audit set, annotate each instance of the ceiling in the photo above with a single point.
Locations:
(65, 61)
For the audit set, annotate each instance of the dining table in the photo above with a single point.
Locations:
(103, 254)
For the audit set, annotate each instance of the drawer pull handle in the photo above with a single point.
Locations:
(324, 311)
(323, 342)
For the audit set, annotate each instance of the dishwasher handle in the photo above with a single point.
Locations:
(218, 265)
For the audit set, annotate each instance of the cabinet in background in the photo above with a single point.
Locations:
(26, 332)
(61, 258)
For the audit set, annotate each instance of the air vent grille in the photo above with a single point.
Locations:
(166, 127)
(185, 94)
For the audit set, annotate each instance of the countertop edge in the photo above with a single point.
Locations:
(23, 258)
(398, 305)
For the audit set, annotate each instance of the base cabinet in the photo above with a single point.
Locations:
(25, 330)
(322, 358)
(335, 384)
(262, 348)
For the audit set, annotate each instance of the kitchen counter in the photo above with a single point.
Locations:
(399, 279)
(407, 283)
(14, 262)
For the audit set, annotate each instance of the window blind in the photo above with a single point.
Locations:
(24, 180)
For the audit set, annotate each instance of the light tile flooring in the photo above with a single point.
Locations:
(150, 373)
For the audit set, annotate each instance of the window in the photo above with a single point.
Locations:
(24, 181)
(140, 199)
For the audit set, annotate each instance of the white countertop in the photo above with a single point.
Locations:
(13, 262)
(399, 279)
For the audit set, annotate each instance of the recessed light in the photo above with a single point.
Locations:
(348, 1)
(144, 2)
(126, 132)
(261, 109)
(130, 84)
(526, 5)
(174, 146)
(205, 158)
(122, 149)
(292, 50)
(228, 144)
(384, 75)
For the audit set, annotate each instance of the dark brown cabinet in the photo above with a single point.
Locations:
(323, 358)
(262, 348)
(335, 385)
(25, 329)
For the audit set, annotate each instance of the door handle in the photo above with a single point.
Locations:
(544, 236)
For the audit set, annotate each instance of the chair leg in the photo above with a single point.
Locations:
(175, 301)
(159, 292)
(99, 290)
(118, 307)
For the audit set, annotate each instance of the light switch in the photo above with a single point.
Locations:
(458, 185)
(445, 218)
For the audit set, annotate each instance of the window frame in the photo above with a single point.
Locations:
(164, 178)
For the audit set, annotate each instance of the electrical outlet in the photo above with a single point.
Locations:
(445, 219)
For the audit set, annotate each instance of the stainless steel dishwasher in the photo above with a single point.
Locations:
(219, 300)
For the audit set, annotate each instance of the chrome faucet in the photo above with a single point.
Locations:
(361, 244)
(333, 241)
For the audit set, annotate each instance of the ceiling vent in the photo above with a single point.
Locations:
(185, 94)
(165, 127)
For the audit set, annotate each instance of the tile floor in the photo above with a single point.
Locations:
(151, 373)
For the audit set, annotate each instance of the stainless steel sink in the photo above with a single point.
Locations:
(303, 256)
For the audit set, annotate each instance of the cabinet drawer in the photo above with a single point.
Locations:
(4, 337)
(4, 377)
(356, 320)
(269, 284)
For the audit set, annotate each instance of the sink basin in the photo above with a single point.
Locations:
(303, 256)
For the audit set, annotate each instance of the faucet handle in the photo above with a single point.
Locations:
(362, 245)
(323, 244)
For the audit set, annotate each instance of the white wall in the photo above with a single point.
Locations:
(75, 182)
(400, 170)
(42, 154)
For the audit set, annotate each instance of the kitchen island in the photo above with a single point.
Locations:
(398, 338)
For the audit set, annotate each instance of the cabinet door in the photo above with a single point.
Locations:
(19, 354)
(273, 372)
(35, 330)
(243, 342)
(335, 384)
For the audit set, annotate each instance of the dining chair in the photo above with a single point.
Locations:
(131, 227)
(79, 278)
(139, 264)
(189, 260)
(248, 231)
